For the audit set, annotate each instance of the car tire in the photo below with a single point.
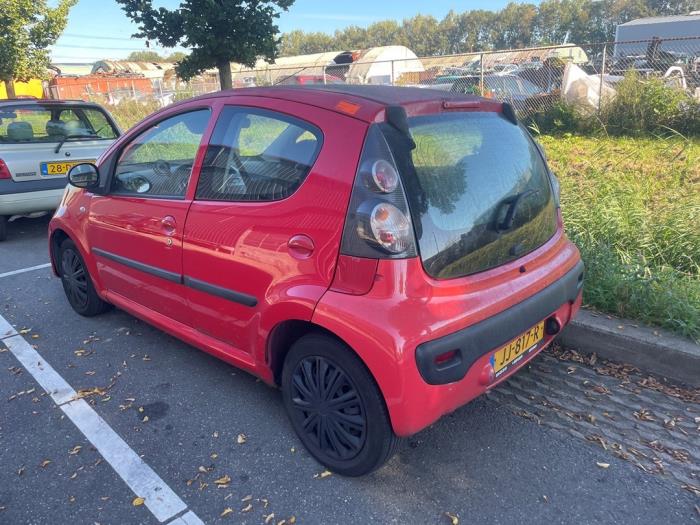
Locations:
(3, 228)
(77, 283)
(353, 439)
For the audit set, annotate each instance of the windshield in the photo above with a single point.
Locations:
(480, 192)
(36, 123)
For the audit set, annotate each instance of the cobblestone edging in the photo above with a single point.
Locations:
(638, 418)
(653, 350)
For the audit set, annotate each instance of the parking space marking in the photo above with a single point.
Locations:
(23, 270)
(159, 498)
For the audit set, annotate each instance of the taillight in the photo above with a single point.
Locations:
(378, 223)
(4, 170)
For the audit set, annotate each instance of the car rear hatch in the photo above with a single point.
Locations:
(479, 192)
(42, 141)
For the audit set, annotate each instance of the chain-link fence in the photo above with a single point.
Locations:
(531, 79)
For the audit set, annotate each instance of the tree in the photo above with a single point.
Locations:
(217, 31)
(145, 56)
(27, 29)
(177, 56)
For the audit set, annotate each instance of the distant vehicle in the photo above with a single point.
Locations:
(521, 93)
(501, 69)
(383, 254)
(40, 140)
(305, 80)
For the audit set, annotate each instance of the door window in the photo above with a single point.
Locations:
(257, 155)
(158, 162)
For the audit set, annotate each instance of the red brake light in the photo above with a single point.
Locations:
(378, 224)
(4, 170)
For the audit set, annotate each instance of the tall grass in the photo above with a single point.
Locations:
(633, 207)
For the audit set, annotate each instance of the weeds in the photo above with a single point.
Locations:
(633, 208)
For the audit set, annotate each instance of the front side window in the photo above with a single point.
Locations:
(159, 161)
(36, 123)
(257, 155)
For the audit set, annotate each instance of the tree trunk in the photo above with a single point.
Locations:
(10, 87)
(224, 68)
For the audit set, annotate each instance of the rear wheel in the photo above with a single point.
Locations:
(335, 406)
(77, 283)
(3, 227)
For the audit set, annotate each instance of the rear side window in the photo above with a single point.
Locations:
(43, 123)
(480, 192)
(257, 155)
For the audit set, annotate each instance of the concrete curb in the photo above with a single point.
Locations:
(653, 350)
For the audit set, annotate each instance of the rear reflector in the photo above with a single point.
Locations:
(4, 170)
(347, 107)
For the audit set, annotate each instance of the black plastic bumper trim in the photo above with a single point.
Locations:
(10, 187)
(483, 337)
(224, 293)
(143, 267)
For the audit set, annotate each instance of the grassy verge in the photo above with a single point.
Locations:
(633, 207)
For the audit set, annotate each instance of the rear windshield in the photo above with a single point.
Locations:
(480, 195)
(36, 123)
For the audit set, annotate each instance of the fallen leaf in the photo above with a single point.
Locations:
(203, 470)
(602, 465)
(215, 434)
(21, 470)
(213, 455)
(35, 336)
(25, 331)
(226, 512)
(453, 519)
(247, 508)
(145, 419)
(223, 480)
(269, 517)
(292, 520)
(76, 449)
(45, 462)
(323, 474)
(74, 475)
(241, 438)
(247, 498)
(137, 502)
(90, 373)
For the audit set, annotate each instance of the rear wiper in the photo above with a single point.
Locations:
(512, 203)
(81, 136)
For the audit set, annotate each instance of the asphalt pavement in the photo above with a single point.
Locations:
(195, 420)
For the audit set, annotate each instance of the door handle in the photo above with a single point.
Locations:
(168, 225)
(300, 246)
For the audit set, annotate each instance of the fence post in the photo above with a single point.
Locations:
(602, 73)
(393, 81)
(324, 75)
(481, 74)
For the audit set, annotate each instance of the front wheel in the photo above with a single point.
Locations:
(335, 406)
(77, 284)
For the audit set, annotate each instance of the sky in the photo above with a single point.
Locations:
(99, 29)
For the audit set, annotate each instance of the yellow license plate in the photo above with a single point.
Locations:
(511, 354)
(49, 169)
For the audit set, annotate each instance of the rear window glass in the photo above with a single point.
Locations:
(37, 123)
(480, 194)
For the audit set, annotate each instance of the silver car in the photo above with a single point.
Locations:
(40, 140)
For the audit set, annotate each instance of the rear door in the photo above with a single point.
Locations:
(263, 232)
(40, 142)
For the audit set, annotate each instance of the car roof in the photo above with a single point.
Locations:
(371, 101)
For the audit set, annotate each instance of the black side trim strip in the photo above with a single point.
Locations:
(225, 293)
(146, 268)
(476, 340)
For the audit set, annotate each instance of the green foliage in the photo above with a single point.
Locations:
(516, 25)
(632, 205)
(640, 107)
(650, 106)
(154, 56)
(27, 29)
(217, 32)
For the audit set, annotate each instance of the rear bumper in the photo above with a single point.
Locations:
(467, 345)
(30, 202)
(396, 326)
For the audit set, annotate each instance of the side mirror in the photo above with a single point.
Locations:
(84, 175)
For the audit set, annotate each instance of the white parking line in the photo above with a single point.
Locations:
(160, 499)
(22, 270)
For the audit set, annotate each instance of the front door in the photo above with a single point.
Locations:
(136, 229)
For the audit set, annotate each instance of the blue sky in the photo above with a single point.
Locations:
(99, 29)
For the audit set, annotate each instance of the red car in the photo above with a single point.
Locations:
(384, 255)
